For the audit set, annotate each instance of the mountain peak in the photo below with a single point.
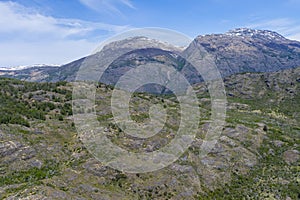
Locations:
(139, 42)
(247, 32)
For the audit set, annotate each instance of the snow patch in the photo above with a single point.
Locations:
(246, 32)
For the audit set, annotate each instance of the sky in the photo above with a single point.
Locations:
(59, 31)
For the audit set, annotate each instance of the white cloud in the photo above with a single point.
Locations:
(285, 26)
(107, 6)
(16, 53)
(28, 37)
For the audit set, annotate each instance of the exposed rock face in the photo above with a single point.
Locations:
(246, 85)
(246, 50)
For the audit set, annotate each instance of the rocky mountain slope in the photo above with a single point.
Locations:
(246, 50)
(256, 157)
(237, 51)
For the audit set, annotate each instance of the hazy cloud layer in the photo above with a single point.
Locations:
(28, 37)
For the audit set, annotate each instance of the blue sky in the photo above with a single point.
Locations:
(59, 31)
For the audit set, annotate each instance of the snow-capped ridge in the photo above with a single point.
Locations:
(246, 32)
(27, 67)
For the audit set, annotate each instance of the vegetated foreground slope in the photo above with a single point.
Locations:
(257, 155)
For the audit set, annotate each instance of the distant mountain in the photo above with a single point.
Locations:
(34, 73)
(22, 67)
(237, 51)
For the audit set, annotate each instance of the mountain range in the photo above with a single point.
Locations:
(237, 51)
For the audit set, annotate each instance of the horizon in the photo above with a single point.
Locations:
(58, 32)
